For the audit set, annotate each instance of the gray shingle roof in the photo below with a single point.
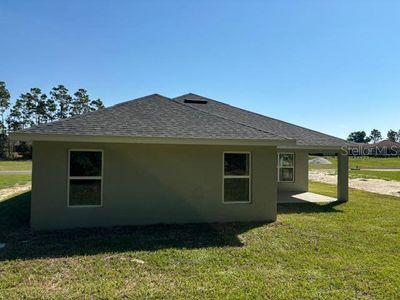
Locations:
(156, 116)
(152, 116)
(303, 136)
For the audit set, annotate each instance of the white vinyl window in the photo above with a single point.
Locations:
(85, 178)
(236, 177)
(286, 167)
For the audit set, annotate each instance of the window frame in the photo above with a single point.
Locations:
(69, 177)
(235, 176)
(279, 167)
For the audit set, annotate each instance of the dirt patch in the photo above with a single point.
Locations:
(379, 186)
(17, 189)
(319, 161)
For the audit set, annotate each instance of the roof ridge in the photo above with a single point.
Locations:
(228, 119)
(248, 111)
(140, 99)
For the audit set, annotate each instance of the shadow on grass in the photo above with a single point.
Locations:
(15, 213)
(307, 208)
(21, 243)
(24, 244)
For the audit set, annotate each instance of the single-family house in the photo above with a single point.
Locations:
(170, 160)
(385, 148)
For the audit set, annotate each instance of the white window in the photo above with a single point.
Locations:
(236, 177)
(85, 178)
(286, 167)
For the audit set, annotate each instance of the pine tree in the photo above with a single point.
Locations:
(4, 105)
(19, 114)
(60, 103)
(81, 103)
(96, 104)
(35, 108)
(36, 101)
(51, 110)
(392, 135)
(375, 135)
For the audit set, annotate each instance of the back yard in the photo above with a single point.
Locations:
(313, 251)
(363, 163)
(15, 177)
(379, 175)
(17, 165)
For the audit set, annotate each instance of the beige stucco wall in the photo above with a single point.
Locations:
(146, 184)
(300, 183)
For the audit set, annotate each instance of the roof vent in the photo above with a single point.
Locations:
(195, 101)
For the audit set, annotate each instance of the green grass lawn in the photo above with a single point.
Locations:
(362, 162)
(15, 165)
(9, 180)
(385, 175)
(313, 251)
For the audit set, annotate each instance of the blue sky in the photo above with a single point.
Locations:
(333, 66)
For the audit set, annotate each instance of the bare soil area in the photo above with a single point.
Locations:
(379, 186)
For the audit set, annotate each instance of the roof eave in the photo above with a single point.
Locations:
(314, 148)
(149, 140)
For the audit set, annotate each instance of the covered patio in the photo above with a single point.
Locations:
(296, 190)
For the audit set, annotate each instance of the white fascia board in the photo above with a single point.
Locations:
(312, 148)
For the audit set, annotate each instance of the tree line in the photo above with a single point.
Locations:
(375, 136)
(36, 107)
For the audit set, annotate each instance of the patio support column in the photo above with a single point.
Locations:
(343, 177)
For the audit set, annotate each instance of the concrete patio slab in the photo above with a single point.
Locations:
(306, 197)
